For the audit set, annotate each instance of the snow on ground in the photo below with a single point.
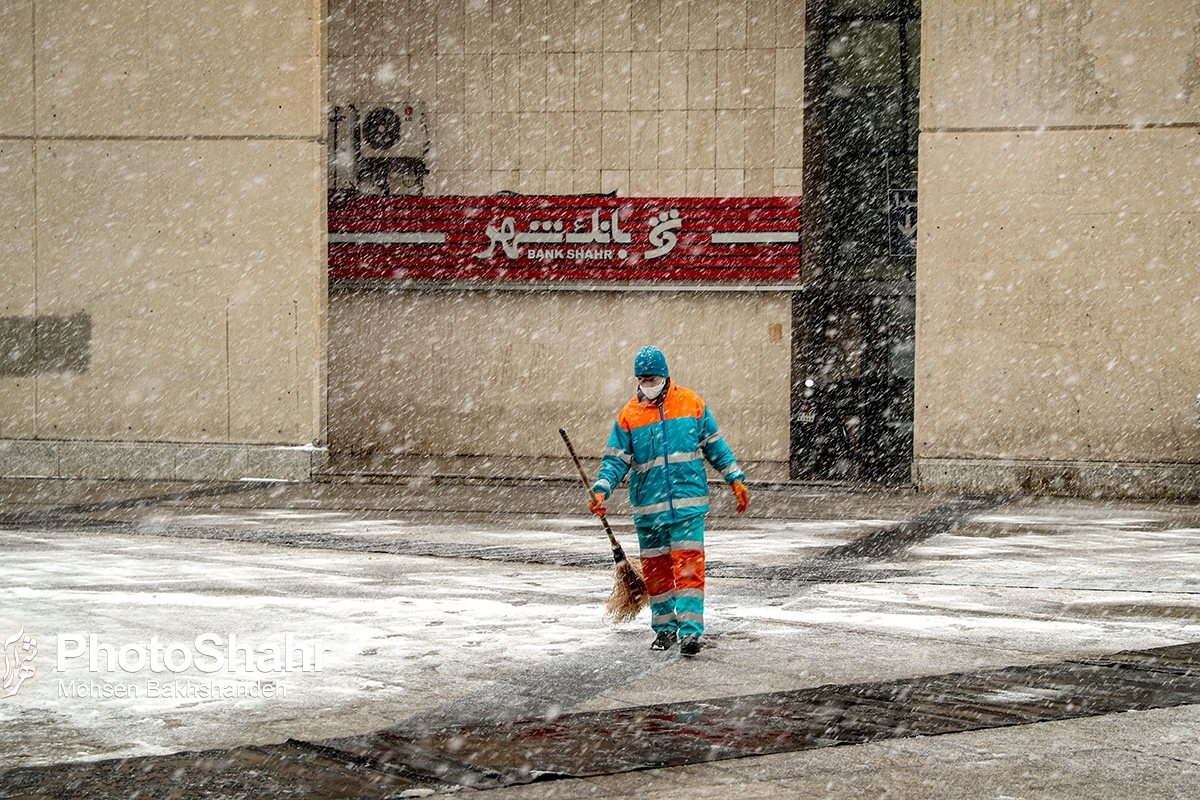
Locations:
(1031, 581)
(402, 634)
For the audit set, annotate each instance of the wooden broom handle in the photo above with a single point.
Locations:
(588, 485)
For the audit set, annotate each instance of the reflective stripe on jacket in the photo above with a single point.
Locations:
(663, 449)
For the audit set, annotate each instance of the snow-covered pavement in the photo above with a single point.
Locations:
(365, 606)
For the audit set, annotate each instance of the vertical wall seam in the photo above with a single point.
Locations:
(297, 373)
(33, 56)
(228, 380)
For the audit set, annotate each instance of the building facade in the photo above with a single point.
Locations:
(644, 100)
(1028, 326)
(162, 279)
(1057, 294)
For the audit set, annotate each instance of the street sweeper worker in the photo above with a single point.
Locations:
(661, 439)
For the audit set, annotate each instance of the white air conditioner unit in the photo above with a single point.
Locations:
(391, 129)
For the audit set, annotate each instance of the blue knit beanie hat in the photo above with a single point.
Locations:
(650, 361)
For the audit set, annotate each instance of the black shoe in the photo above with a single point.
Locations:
(664, 641)
(690, 646)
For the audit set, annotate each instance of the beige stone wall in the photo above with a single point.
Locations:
(162, 176)
(1058, 300)
(658, 98)
(699, 98)
(497, 374)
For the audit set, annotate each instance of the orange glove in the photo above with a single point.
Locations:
(742, 494)
(596, 504)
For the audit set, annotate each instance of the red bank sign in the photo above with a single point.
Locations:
(566, 238)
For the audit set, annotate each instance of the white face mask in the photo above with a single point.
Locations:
(651, 391)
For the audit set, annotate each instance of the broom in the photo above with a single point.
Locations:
(629, 595)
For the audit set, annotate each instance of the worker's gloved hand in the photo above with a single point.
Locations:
(742, 494)
(596, 504)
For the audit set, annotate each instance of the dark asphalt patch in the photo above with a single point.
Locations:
(290, 770)
(69, 515)
(847, 563)
(895, 539)
(675, 734)
(393, 761)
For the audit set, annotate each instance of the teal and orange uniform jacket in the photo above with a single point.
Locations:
(662, 448)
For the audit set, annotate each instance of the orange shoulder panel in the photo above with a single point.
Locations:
(682, 402)
(636, 414)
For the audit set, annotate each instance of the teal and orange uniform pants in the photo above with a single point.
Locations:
(673, 565)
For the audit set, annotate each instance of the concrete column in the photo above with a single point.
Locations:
(1058, 300)
(162, 256)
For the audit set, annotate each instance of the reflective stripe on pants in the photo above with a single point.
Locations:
(675, 575)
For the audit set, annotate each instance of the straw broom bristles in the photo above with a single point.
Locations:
(629, 595)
